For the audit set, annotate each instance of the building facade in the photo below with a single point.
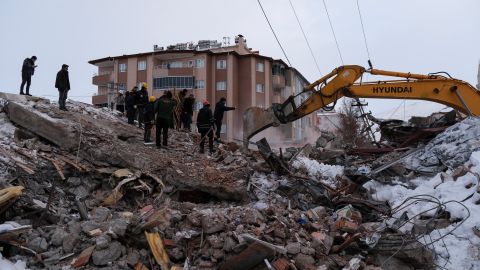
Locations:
(208, 69)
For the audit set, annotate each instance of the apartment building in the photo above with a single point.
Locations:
(210, 70)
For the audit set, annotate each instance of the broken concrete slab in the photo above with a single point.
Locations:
(57, 131)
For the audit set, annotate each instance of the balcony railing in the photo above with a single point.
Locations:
(102, 79)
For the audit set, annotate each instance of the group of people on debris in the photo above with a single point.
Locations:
(150, 111)
(62, 82)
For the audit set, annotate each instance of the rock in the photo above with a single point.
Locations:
(80, 192)
(133, 257)
(321, 142)
(102, 242)
(101, 214)
(305, 262)
(69, 242)
(57, 237)
(228, 160)
(90, 225)
(322, 242)
(307, 251)
(229, 244)
(293, 248)
(110, 254)
(253, 217)
(280, 232)
(215, 241)
(176, 253)
(74, 181)
(218, 254)
(39, 244)
(119, 226)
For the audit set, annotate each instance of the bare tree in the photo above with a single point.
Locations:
(351, 126)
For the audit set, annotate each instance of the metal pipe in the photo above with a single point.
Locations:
(401, 74)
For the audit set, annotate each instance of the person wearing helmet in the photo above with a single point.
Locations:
(28, 68)
(163, 108)
(205, 125)
(141, 101)
(149, 118)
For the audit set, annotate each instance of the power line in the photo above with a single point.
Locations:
(333, 32)
(363, 30)
(306, 39)
(271, 28)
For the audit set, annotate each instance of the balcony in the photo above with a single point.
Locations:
(278, 81)
(99, 99)
(102, 79)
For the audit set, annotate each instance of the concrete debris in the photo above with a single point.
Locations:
(80, 190)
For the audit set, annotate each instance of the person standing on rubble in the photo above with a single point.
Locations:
(120, 103)
(141, 102)
(205, 125)
(220, 109)
(149, 118)
(28, 68)
(130, 105)
(163, 108)
(62, 83)
(187, 112)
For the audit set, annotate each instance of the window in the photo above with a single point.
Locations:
(221, 86)
(142, 65)
(198, 105)
(121, 87)
(176, 64)
(278, 69)
(191, 63)
(122, 67)
(173, 82)
(200, 63)
(260, 88)
(260, 67)
(221, 64)
(200, 84)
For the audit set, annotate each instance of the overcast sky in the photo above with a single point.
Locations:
(409, 35)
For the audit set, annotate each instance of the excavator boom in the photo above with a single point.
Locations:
(342, 81)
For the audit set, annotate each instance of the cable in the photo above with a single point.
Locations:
(363, 30)
(333, 32)
(305, 37)
(271, 28)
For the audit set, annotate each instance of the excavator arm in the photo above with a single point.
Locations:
(342, 81)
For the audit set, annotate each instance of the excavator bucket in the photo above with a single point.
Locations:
(255, 120)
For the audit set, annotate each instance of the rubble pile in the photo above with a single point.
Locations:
(79, 190)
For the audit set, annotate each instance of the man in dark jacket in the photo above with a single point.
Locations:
(62, 83)
(28, 68)
(149, 118)
(130, 105)
(164, 107)
(205, 124)
(187, 111)
(220, 108)
(141, 102)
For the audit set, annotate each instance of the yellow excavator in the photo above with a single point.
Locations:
(438, 87)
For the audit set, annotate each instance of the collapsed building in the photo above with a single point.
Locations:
(79, 190)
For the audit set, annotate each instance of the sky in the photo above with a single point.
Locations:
(419, 36)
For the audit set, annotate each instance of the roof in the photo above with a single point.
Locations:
(126, 56)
